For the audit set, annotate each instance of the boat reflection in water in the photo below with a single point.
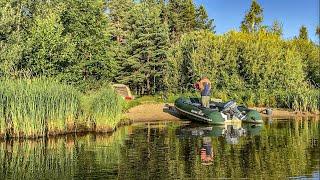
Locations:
(231, 133)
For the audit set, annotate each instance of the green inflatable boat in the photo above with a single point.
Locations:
(218, 112)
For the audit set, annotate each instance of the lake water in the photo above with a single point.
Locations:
(278, 149)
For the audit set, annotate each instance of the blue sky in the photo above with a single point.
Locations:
(228, 14)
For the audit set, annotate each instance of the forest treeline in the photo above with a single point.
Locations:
(86, 43)
(157, 46)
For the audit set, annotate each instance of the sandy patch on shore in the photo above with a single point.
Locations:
(156, 112)
(150, 112)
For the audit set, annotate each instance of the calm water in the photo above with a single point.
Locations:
(278, 149)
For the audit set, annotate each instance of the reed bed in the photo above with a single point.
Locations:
(43, 107)
(37, 107)
(105, 109)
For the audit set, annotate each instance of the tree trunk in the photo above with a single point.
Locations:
(148, 86)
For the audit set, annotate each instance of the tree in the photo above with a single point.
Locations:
(202, 19)
(14, 23)
(89, 27)
(174, 21)
(20, 23)
(253, 18)
(164, 14)
(118, 12)
(303, 33)
(68, 39)
(181, 18)
(276, 28)
(188, 15)
(147, 50)
(49, 53)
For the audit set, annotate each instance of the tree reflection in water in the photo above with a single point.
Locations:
(281, 149)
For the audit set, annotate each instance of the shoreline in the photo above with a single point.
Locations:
(156, 112)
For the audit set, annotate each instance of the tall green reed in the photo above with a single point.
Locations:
(105, 108)
(36, 107)
(42, 106)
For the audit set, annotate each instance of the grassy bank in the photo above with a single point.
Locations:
(45, 107)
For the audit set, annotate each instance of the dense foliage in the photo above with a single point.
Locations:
(68, 40)
(260, 64)
(156, 46)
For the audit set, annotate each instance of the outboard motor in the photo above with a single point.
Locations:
(231, 108)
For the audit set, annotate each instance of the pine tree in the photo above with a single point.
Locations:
(118, 12)
(164, 14)
(202, 19)
(181, 17)
(175, 23)
(303, 33)
(188, 15)
(276, 28)
(253, 18)
(148, 45)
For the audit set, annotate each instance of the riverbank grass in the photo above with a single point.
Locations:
(43, 107)
(31, 108)
(105, 109)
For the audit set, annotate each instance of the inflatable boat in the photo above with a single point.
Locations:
(218, 112)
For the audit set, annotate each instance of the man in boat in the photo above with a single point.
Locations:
(205, 90)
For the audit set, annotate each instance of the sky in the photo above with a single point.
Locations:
(228, 14)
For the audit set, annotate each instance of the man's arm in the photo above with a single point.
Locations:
(201, 85)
